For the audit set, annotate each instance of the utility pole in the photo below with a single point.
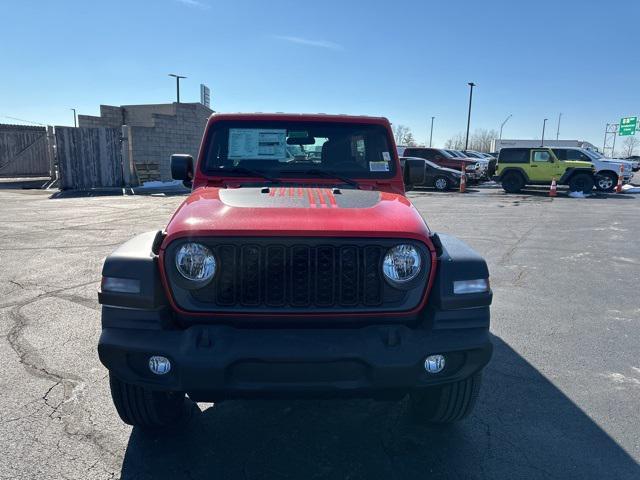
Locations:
(75, 117)
(177, 77)
(503, 123)
(558, 132)
(544, 124)
(431, 134)
(466, 140)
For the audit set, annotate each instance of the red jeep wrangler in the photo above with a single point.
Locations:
(296, 267)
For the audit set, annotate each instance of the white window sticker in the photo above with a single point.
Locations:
(257, 144)
(378, 166)
(386, 157)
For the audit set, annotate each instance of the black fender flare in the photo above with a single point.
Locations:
(570, 172)
(520, 170)
(136, 260)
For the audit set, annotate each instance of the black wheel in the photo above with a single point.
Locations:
(581, 182)
(512, 182)
(446, 403)
(441, 183)
(606, 182)
(148, 409)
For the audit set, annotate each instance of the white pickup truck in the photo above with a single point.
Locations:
(607, 169)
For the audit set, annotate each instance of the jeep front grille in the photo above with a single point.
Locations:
(296, 275)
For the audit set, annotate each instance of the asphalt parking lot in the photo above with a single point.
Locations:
(560, 400)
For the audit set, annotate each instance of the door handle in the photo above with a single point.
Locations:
(534, 166)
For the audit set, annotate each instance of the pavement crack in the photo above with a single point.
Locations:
(512, 250)
(35, 365)
(18, 284)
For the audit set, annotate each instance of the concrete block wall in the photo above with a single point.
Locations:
(142, 115)
(180, 132)
(156, 132)
(110, 117)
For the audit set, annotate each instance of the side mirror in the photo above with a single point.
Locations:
(414, 172)
(182, 168)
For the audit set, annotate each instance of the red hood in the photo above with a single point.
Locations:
(296, 211)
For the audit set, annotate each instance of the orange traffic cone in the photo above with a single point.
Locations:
(619, 185)
(553, 191)
(463, 180)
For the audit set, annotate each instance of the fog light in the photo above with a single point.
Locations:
(434, 363)
(159, 365)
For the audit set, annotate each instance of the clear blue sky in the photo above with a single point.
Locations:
(407, 60)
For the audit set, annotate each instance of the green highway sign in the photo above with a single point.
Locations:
(628, 126)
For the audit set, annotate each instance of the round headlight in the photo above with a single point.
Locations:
(402, 264)
(195, 262)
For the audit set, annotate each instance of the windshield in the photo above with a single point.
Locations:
(592, 154)
(432, 165)
(303, 149)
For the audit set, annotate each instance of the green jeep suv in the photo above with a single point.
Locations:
(519, 167)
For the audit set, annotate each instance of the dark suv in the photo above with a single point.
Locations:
(445, 159)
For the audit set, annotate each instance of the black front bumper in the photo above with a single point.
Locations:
(218, 362)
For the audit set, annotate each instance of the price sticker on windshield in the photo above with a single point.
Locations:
(378, 166)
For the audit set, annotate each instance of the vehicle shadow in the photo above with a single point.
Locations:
(523, 427)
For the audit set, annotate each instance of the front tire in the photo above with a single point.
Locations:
(445, 403)
(441, 184)
(512, 182)
(581, 182)
(148, 409)
(606, 182)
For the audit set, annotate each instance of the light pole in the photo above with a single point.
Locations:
(544, 124)
(466, 139)
(431, 134)
(177, 77)
(558, 132)
(75, 117)
(503, 123)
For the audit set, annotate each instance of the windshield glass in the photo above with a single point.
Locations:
(299, 149)
(591, 154)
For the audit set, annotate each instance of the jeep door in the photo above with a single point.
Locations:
(543, 165)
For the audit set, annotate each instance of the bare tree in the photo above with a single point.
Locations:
(404, 136)
(629, 146)
(409, 140)
(480, 140)
(456, 142)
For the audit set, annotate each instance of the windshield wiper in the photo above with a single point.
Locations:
(249, 171)
(327, 174)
